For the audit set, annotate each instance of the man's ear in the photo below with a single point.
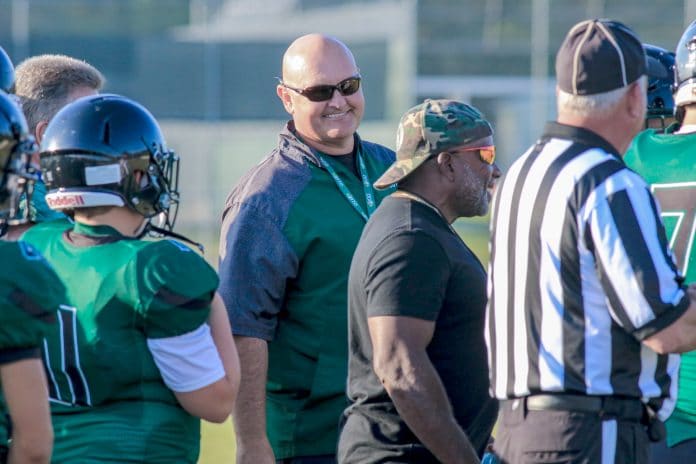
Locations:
(284, 95)
(38, 136)
(40, 131)
(635, 101)
(444, 165)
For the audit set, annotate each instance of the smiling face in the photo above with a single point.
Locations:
(327, 126)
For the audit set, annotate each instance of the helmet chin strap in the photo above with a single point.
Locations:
(149, 227)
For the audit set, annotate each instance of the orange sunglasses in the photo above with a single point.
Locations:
(486, 153)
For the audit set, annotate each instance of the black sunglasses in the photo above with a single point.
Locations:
(320, 93)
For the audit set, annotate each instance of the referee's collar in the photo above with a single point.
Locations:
(580, 135)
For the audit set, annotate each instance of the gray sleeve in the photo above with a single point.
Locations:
(256, 261)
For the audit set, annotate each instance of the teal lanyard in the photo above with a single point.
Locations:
(367, 187)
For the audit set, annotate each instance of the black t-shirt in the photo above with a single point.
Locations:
(410, 263)
(348, 160)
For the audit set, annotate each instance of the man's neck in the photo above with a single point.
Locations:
(618, 136)
(689, 120)
(127, 222)
(332, 150)
(433, 198)
(336, 148)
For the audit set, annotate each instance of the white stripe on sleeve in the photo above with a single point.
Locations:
(187, 362)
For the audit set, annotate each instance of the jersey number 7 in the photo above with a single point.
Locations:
(678, 204)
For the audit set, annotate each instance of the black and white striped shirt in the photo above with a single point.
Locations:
(580, 273)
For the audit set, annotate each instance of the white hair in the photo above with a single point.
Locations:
(599, 104)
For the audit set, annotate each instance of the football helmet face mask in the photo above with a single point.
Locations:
(16, 148)
(660, 85)
(685, 70)
(107, 150)
(6, 71)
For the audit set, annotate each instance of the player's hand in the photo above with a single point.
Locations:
(258, 452)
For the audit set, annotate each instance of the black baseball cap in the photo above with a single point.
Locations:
(597, 56)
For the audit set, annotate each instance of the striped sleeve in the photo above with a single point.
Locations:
(644, 290)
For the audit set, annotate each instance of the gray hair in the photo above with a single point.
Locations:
(44, 82)
(599, 104)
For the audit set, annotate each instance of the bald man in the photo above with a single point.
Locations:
(289, 231)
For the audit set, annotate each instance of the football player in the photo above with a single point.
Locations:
(666, 158)
(144, 347)
(30, 293)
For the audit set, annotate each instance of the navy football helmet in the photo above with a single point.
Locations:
(16, 148)
(685, 70)
(108, 150)
(660, 83)
(6, 71)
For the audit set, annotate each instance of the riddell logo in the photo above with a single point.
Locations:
(64, 201)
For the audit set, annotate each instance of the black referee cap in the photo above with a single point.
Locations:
(597, 56)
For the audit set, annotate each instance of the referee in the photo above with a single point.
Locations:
(585, 302)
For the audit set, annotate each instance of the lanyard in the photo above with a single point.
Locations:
(367, 187)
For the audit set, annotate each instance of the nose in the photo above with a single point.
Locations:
(496, 171)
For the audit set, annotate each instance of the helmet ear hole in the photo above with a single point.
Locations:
(141, 178)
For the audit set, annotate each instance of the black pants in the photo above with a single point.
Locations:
(567, 437)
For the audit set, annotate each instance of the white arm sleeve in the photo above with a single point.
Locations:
(187, 362)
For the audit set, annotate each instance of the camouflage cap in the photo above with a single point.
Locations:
(430, 128)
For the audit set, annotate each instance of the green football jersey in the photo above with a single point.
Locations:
(108, 399)
(667, 162)
(30, 294)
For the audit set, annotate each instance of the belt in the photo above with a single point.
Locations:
(630, 409)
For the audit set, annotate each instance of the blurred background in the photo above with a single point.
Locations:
(206, 69)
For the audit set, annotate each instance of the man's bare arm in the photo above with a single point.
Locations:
(401, 362)
(26, 395)
(249, 414)
(214, 402)
(679, 336)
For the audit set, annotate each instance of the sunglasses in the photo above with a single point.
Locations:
(486, 154)
(320, 93)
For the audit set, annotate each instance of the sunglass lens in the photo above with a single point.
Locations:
(487, 154)
(349, 86)
(319, 93)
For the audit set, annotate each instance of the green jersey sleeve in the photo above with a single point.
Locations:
(30, 294)
(176, 288)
